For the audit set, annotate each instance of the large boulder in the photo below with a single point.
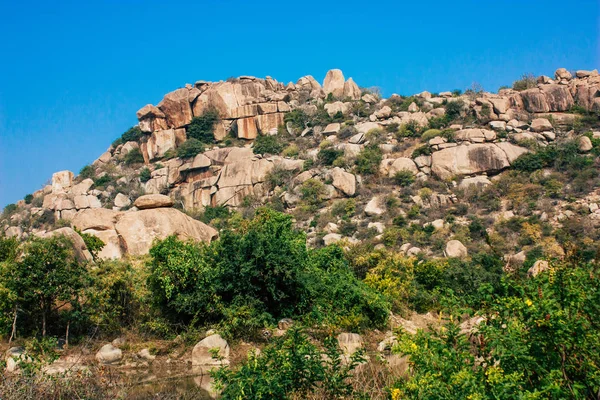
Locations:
(541, 125)
(162, 141)
(558, 97)
(334, 83)
(584, 144)
(151, 118)
(401, 164)
(343, 181)
(202, 352)
(149, 201)
(138, 230)
(473, 159)
(62, 181)
(109, 355)
(247, 128)
(176, 108)
(455, 249)
(98, 219)
(351, 90)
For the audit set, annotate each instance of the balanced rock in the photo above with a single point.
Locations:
(149, 201)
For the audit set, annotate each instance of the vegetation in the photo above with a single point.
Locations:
(527, 81)
(267, 144)
(202, 127)
(133, 134)
(190, 148)
(368, 160)
(133, 156)
(145, 175)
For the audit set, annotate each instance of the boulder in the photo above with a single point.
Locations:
(479, 181)
(331, 238)
(334, 83)
(82, 187)
(122, 200)
(269, 123)
(343, 181)
(351, 90)
(455, 248)
(558, 97)
(584, 144)
(162, 141)
(562, 73)
(349, 342)
(201, 354)
(153, 201)
(534, 101)
(112, 244)
(541, 125)
(373, 207)
(400, 164)
(334, 108)
(584, 74)
(151, 119)
(62, 181)
(138, 230)
(109, 355)
(538, 267)
(176, 108)
(98, 219)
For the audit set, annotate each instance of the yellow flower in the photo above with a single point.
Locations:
(529, 303)
(396, 394)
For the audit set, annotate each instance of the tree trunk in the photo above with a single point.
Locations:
(67, 335)
(13, 333)
(44, 322)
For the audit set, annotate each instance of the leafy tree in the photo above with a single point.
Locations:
(368, 160)
(28, 198)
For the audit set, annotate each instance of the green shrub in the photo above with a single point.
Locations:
(202, 127)
(424, 150)
(28, 198)
(312, 192)
(292, 367)
(279, 177)
(409, 129)
(134, 156)
(9, 209)
(527, 81)
(190, 148)
(145, 175)
(133, 134)
(368, 160)
(298, 119)
(87, 172)
(267, 144)
(430, 134)
(328, 155)
(216, 212)
(453, 110)
(404, 178)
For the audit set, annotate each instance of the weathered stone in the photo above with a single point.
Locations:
(351, 90)
(343, 181)
(62, 181)
(373, 207)
(331, 238)
(558, 97)
(246, 128)
(534, 101)
(98, 219)
(139, 229)
(332, 128)
(349, 342)
(455, 248)
(480, 181)
(540, 125)
(333, 108)
(82, 187)
(562, 73)
(149, 201)
(334, 83)
(176, 108)
(401, 164)
(269, 123)
(122, 200)
(81, 252)
(151, 119)
(585, 144)
(538, 267)
(109, 355)
(160, 142)
(202, 352)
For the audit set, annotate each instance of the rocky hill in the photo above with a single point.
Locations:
(428, 173)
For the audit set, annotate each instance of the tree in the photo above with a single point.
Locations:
(202, 127)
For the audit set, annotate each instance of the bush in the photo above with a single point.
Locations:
(133, 134)
(267, 144)
(202, 127)
(216, 212)
(453, 110)
(9, 209)
(28, 198)
(328, 155)
(541, 338)
(430, 134)
(312, 192)
(87, 172)
(292, 367)
(368, 160)
(134, 156)
(404, 178)
(527, 81)
(190, 148)
(145, 175)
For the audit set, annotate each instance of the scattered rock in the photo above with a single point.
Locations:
(585, 144)
(109, 355)
(538, 267)
(202, 356)
(455, 249)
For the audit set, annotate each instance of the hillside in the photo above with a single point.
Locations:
(309, 240)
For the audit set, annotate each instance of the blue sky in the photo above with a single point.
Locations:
(73, 73)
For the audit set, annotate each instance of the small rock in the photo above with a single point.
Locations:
(538, 267)
(109, 354)
(585, 144)
(455, 248)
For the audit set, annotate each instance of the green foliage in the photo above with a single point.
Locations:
(453, 110)
(267, 144)
(430, 134)
(134, 156)
(368, 160)
(562, 157)
(328, 155)
(190, 148)
(133, 134)
(145, 175)
(87, 172)
(312, 192)
(409, 129)
(538, 341)
(298, 119)
(211, 214)
(28, 198)
(9, 209)
(404, 178)
(292, 367)
(103, 181)
(93, 243)
(527, 81)
(279, 177)
(202, 127)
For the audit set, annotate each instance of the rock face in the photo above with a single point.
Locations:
(139, 229)
(62, 181)
(201, 354)
(109, 355)
(473, 159)
(153, 201)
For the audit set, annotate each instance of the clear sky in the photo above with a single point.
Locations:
(73, 73)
